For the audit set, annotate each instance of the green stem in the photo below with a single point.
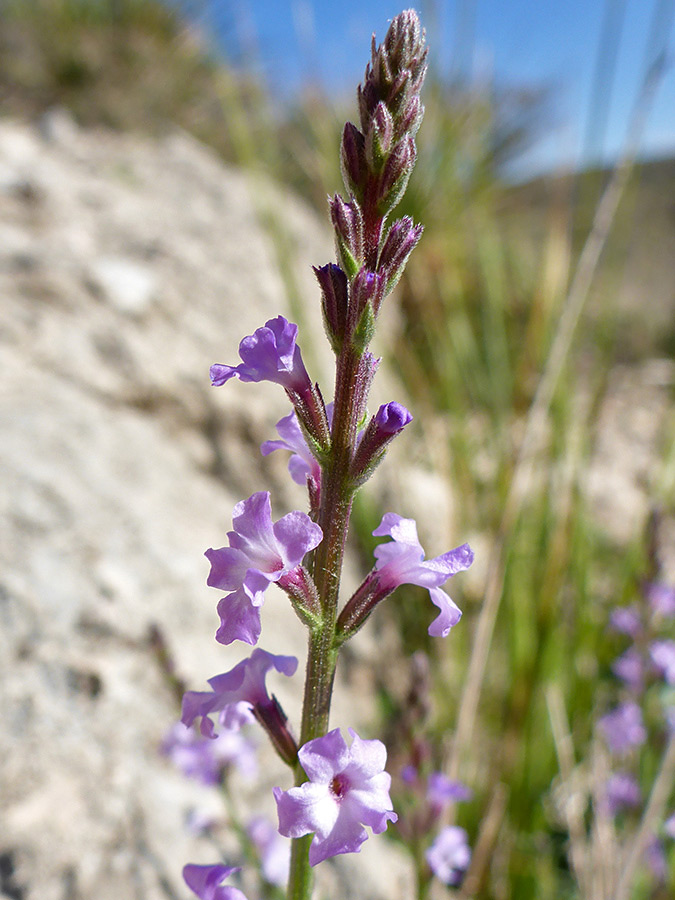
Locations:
(334, 513)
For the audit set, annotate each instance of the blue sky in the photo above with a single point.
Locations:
(556, 43)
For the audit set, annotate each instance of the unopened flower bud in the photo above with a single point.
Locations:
(353, 160)
(399, 243)
(348, 224)
(379, 137)
(395, 175)
(334, 300)
(388, 421)
(366, 294)
(410, 117)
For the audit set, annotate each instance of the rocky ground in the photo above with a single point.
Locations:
(126, 269)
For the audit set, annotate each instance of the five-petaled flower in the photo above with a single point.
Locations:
(274, 850)
(401, 561)
(663, 657)
(260, 552)
(623, 728)
(621, 792)
(269, 354)
(206, 882)
(237, 693)
(203, 759)
(449, 855)
(347, 789)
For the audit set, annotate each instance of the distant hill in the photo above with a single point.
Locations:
(638, 266)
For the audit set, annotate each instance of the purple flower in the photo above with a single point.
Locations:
(663, 657)
(622, 728)
(259, 553)
(198, 757)
(408, 774)
(200, 821)
(655, 858)
(669, 826)
(621, 791)
(302, 464)
(274, 850)
(206, 882)
(626, 620)
(270, 354)
(629, 667)
(441, 791)
(402, 562)
(450, 854)
(347, 789)
(661, 598)
(242, 686)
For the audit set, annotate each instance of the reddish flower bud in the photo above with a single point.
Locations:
(366, 291)
(410, 117)
(395, 174)
(334, 301)
(348, 223)
(353, 160)
(389, 420)
(379, 137)
(401, 240)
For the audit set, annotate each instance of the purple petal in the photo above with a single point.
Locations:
(196, 704)
(622, 728)
(626, 620)
(269, 354)
(449, 855)
(253, 534)
(661, 598)
(669, 826)
(453, 561)
(441, 790)
(363, 808)
(296, 535)
(449, 615)
(239, 619)
(273, 849)
(621, 791)
(205, 882)
(663, 657)
(228, 568)
(346, 836)
(246, 681)
(398, 528)
(629, 667)
(324, 757)
(368, 757)
(304, 809)
(221, 374)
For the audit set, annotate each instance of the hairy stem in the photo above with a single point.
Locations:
(334, 513)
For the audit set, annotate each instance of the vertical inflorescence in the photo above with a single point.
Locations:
(339, 788)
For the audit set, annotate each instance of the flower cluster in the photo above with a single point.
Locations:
(340, 789)
(645, 667)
